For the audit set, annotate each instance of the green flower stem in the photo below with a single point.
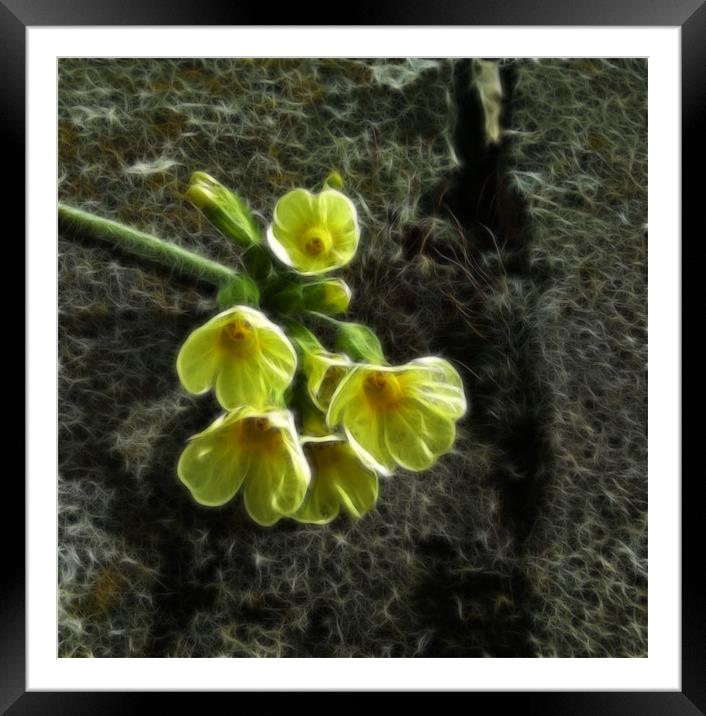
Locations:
(147, 246)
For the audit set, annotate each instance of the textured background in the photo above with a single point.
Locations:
(525, 265)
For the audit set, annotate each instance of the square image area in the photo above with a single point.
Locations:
(352, 357)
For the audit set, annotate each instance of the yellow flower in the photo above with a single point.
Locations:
(314, 233)
(240, 351)
(402, 415)
(324, 371)
(339, 481)
(257, 449)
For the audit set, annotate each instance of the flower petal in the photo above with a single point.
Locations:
(278, 476)
(349, 389)
(199, 359)
(321, 506)
(285, 246)
(241, 382)
(258, 495)
(339, 481)
(357, 488)
(361, 424)
(278, 358)
(436, 382)
(337, 212)
(416, 437)
(294, 211)
(291, 490)
(366, 434)
(293, 214)
(213, 468)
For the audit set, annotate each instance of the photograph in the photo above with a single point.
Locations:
(352, 357)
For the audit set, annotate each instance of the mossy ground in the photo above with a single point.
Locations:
(525, 265)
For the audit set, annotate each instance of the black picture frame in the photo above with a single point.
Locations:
(690, 15)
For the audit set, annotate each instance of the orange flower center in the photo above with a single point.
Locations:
(259, 434)
(323, 455)
(317, 241)
(237, 336)
(382, 390)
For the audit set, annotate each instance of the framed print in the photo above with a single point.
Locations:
(343, 337)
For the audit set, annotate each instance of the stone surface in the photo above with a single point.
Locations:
(528, 540)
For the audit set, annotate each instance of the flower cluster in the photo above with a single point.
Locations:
(306, 430)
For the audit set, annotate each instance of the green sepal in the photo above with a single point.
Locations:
(302, 338)
(287, 301)
(358, 342)
(288, 296)
(330, 296)
(334, 181)
(241, 291)
(224, 209)
(258, 261)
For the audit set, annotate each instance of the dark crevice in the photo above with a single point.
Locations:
(508, 412)
(480, 196)
(495, 219)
